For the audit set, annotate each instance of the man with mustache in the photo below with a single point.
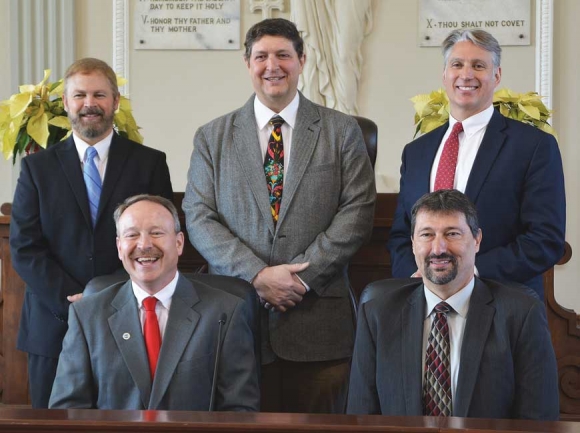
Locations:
(453, 344)
(510, 170)
(108, 359)
(62, 232)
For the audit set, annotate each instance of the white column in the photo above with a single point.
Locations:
(43, 38)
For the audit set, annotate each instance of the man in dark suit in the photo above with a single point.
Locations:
(293, 232)
(510, 170)
(455, 344)
(107, 360)
(59, 238)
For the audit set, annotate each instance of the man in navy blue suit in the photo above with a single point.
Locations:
(56, 247)
(511, 171)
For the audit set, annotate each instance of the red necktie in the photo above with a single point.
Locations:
(274, 166)
(448, 162)
(151, 333)
(437, 384)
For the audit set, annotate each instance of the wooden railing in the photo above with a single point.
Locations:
(85, 420)
(371, 263)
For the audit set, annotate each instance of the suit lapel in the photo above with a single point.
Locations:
(126, 329)
(304, 140)
(118, 154)
(413, 316)
(71, 166)
(479, 320)
(181, 323)
(493, 141)
(247, 147)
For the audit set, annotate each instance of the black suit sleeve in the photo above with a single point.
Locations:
(31, 254)
(363, 397)
(403, 263)
(161, 180)
(535, 368)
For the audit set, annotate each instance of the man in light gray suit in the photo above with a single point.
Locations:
(500, 362)
(108, 363)
(286, 207)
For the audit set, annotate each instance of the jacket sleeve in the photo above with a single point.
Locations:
(31, 254)
(399, 244)
(539, 244)
(73, 386)
(237, 387)
(214, 240)
(536, 372)
(352, 225)
(161, 179)
(363, 397)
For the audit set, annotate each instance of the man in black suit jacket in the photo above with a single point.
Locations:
(511, 171)
(501, 361)
(55, 248)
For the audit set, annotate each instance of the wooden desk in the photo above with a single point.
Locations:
(84, 420)
(371, 263)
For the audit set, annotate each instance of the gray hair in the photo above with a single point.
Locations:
(481, 38)
(167, 204)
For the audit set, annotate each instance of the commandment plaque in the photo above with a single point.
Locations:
(187, 24)
(507, 20)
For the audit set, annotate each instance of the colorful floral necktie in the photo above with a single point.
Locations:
(274, 166)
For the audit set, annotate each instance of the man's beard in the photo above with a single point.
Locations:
(93, 129)
(443, 277)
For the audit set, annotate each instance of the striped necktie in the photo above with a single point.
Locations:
(92, 182)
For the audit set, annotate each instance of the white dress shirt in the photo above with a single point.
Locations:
(102, 148)
(163, 305)
(264, 114)
(469, 141)
(456, 322)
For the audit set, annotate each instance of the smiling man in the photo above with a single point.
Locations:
(150, 342)
(62, 232)
(510, 170)
(281, 193)
(455, 344)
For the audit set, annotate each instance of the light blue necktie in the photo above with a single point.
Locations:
(92, 182)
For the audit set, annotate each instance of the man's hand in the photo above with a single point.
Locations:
(74, 298)
(279, 286)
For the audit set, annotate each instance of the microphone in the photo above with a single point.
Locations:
(221, 323)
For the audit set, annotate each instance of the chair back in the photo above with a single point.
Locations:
(370, 132)
(376, 288)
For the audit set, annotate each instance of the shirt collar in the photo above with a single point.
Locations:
(164, 295)
(102, 147)
(473, 124)
(459, 301)
(264, 114)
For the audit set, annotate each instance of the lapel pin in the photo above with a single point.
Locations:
(126, 336)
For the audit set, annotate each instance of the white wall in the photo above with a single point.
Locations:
(175, 92)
